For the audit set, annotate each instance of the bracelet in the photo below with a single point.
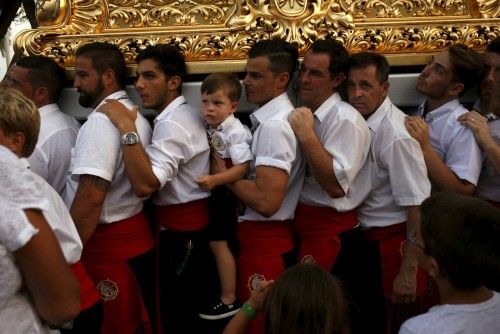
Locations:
(249, 311)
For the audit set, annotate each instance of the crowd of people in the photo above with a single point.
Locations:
(329, 216)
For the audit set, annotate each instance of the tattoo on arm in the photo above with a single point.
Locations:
(99, 183)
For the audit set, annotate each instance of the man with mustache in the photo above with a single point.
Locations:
(109, 217)
(452, 156)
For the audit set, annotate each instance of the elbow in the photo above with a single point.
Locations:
(144, 190)
(335, 192)
(63, 310)
(267, 210)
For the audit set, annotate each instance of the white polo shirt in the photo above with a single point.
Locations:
(18, 191)
(98, 152)
(231, 139)
(274, 144)
(453, 142)
(345, 135)
(488, 186)
(59, 219)
(179, 153)
(399, 174)
(52, 154)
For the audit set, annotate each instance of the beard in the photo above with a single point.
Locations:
(89, 99)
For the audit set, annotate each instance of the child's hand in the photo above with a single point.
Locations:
(258, 296)
(205, 182)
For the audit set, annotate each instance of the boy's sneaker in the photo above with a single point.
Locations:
(220, 310)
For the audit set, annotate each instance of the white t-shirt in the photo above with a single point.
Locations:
(482, 318)
(59, 219)
(231, 139)
(344, 134)
(399, 174)
(98, 152)
(52, 155)
(179, 153)
(488, 186)
(453, 142)
(274, 144)
(17, 192)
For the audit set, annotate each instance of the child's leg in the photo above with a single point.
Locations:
(226, 266)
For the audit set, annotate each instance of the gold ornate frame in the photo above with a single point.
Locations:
(216, 34)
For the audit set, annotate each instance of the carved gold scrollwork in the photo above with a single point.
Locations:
(224, 30)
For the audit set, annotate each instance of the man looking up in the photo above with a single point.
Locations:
(41, 80)
(335, 141)
(452, 156)
(399, 184)
(178, 155)
(116, 237)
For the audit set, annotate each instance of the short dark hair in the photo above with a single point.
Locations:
(338, 54)
(463, 234)
(169, 58)
(105, 56)
(283, 56)
(228, 82)
(306, 299)
(44, 72)
(366, 59)
(494, 46)
(466, 66)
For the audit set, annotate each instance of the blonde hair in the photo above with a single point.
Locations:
(19, 114)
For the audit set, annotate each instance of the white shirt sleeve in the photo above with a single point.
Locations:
(170, 146)
(239, 146)
(277, 145)
(97, 149)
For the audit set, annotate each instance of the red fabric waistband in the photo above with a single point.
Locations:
(120, 240)
(380, 233)
(263, 238)
(191, 216)
(88, 293)
(316, 220)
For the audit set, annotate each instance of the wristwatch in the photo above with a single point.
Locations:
(130, 138)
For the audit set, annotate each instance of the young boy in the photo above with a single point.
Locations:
(230, 140)
(460, 244)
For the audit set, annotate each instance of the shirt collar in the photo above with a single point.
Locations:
(25, 163)
(226, 123)
(326, 106)
(378, 116)
(48, 108)
(118, 95)
(275, 106)
(439, 112)
(176, 103)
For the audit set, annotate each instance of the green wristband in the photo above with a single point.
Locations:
(249, 311)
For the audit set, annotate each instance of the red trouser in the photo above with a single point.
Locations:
(105, 257)
(318, 229)
(88, 293)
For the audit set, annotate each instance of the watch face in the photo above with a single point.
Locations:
(131, 138)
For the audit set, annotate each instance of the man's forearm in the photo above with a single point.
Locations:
(442, 176)
(321, 164)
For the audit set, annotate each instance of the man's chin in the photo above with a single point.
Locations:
(85, 102)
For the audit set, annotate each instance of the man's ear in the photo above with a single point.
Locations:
(108, 77)
(455, 89)
(432, 267)
(339, 78)
(282, 80)
(41, 96)
(174, 82)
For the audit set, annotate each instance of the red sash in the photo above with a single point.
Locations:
(105, 258)
(391, 241)
(88, 293)
(191, 216)
(319, 229)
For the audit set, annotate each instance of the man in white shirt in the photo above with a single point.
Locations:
(178, 155)
(487, 129)
(276, 173)
(41, 79)
(452, 156)
(399, 184)
(116, 236)
(335, 141)
(19, 126)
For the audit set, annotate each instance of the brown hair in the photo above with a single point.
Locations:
(19, 114)
(466, 66)
(228, 82)
(307, 300)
